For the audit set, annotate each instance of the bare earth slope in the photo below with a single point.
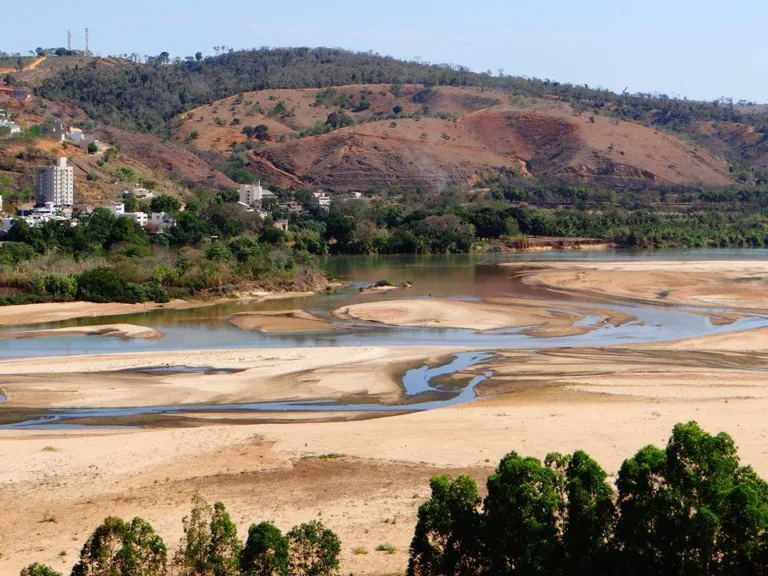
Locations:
(475, 131)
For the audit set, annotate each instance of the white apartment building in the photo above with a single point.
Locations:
(140, 218)
(322, 198)
(252, 193)
(14, 128)
(55, 184)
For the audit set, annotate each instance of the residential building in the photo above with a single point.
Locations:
(116, 208)
(292, 206)
(55, 128)
(161, 220)
(282, 225)
(6, 122)
(140, 218)
(322, 198)
(80, 138)
(55, 184)
(253, 193)
(139, 193)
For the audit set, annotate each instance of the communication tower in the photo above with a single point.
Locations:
(87, 42)
(69, 40)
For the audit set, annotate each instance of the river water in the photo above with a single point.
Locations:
(469, 277)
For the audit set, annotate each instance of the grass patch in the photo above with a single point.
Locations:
(330, 456)
(63, 553)
(360, 550)
(388, 548)
(48, 518)
(50, 449)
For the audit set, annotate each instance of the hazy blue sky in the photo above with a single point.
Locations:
(695, 48)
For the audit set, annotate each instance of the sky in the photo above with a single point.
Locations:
(699, 49)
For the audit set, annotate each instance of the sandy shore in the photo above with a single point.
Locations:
(254, 375)
(610, 402)
(281, 321)
(734, 284)
(59, 311)
(104, 330)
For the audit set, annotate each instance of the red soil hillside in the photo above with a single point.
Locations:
(477, 131)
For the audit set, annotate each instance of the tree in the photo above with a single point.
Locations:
(209, 546)
(261, 132)
(265, 552)
(449, 530)
(117, 548)
(521, 515)
(36, 569)
(248, 131)
(192, 556)
(691, 509)
(314, 550)
(93, 148)
(224, 547)
(165, 203)
(198, 56)
(338, 119)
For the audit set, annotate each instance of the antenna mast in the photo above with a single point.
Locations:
(69, 40)
(87, 42)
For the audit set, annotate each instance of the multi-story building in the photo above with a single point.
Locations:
(55, 184)
(253, 193)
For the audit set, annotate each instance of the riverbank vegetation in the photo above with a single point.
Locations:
(210, 547)
(214, 248)
(691, 508)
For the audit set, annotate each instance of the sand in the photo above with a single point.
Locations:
(281, 322)
(608, 401)
(257, 375)
(444, 313)
(733, 284)
(114, 330)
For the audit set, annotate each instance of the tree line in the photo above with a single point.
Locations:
(210, 547)
(688, 509)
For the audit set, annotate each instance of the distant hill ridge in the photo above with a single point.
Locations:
(717, 143)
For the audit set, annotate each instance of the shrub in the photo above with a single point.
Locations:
(38, 570)
(106, 284)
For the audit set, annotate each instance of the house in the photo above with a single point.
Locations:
(355, 195)
(80, 138)
(14, 128)
(55, 128)
(253, 193)
(161, 220)
(20, 95)
(292, 206)
(322, 199)
(140, 218)
(282, 225)
(139, 193)
(116, 208)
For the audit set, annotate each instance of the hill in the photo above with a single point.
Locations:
(415, 136)
(402, 123)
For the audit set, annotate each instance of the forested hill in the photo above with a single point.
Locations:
(145, 96)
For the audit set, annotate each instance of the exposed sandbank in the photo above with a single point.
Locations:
(718, 283)
(104, 330)
(281, 321)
